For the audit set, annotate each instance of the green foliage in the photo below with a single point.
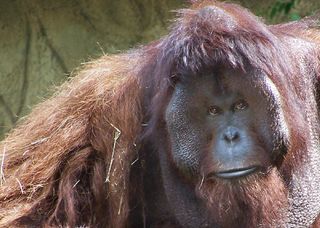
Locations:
(284, 7)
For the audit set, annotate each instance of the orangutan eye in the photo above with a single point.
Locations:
(214, 110)
(240, 105)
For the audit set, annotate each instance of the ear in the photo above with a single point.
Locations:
(74, 151)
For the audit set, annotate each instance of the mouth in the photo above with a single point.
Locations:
(236, 173)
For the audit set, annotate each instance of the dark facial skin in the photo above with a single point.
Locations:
(222, 120)
(219, 130)
(232, 144)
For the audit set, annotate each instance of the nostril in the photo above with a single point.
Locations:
(231, 138)
(235, 136)
(231, 134)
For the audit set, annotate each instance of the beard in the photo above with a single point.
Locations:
(259, 200)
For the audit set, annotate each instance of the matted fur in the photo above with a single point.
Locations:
(68, 163)
(255, 201)
(57, 161)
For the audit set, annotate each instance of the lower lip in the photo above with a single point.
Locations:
(236, 173)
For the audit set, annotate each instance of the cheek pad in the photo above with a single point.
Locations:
(184, 135)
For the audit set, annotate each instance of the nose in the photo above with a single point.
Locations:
(231, 134)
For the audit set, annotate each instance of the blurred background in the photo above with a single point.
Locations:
(41, 42)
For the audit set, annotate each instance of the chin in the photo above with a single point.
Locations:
(254, 200)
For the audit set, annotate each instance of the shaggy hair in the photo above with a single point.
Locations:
(69, 162)
(246, 202)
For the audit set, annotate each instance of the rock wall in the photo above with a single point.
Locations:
(42, 41)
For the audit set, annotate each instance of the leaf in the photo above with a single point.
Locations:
(294, 16)
(288, 6)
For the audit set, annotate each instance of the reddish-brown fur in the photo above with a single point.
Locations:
(246, 202)
(71, 138)
(69, 162)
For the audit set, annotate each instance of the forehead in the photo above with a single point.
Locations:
(220, 83)
(221, 88)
